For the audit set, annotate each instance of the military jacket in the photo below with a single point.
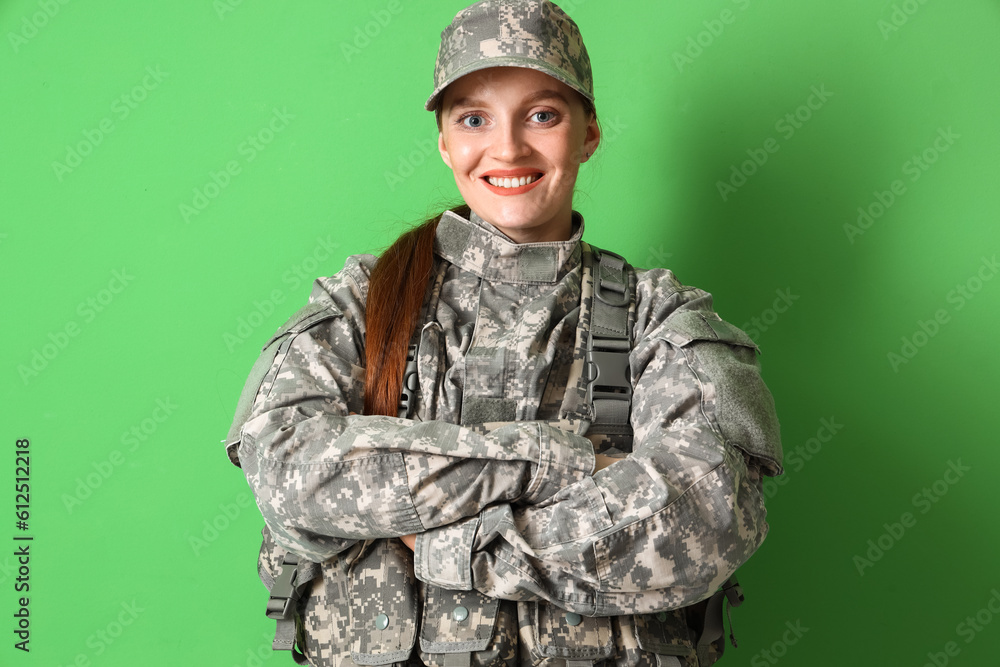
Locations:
(524, 555)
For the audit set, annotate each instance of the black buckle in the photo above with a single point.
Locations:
(734, 592)
(607, 371)
(283, 592)
(410, 383)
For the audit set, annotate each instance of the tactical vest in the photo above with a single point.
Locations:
(464, 628)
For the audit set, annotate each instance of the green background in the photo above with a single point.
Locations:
(132, 321)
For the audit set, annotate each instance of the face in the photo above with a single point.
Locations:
(507, 124)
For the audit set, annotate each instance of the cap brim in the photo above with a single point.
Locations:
(505, 61)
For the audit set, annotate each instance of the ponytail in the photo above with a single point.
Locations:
(395, 296)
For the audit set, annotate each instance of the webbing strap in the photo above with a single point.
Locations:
(609, 388)
(285, 591)
(714, 627)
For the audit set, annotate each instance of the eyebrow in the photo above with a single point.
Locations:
(470, 101)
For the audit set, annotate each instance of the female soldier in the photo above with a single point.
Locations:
(546, 516)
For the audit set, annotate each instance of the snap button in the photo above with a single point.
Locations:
(573, 618)
(381, 621)
(460, 614)
(661, 616)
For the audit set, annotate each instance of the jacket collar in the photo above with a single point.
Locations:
(477, 246)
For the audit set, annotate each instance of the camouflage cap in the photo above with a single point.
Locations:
(513, 33)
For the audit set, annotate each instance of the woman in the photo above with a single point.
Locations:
(540, 521)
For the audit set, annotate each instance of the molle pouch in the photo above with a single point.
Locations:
(383, 602)
(666, 634)
(466, 629)
(554, 637)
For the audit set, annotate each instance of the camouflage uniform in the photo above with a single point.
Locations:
(523, 556)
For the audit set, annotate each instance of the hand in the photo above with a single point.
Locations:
(409, 540)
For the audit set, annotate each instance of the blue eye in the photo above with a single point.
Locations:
(473, 121)
(548, 115)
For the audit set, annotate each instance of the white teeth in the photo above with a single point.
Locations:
(510, 182)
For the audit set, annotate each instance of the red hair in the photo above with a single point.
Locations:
(395, 296)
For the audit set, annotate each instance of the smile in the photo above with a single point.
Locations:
(512, 185)
(510, 182)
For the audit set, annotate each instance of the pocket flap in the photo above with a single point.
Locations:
(564, 634)
(383, 604)
(684, 326)
(456, 621)
(664, 633)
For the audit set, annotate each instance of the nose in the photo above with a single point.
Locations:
(509, 142)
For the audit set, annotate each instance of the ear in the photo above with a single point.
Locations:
(443, 149)
(592, 138)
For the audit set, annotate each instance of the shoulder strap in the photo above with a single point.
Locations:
(609, 389)
(408, 392)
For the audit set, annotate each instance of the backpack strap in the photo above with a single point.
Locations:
(609, 389)
(408, 396)
(286, 588)
(408, 392)
(705, 619)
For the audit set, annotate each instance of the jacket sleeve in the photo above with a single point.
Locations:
(661, 528)
(325, 476)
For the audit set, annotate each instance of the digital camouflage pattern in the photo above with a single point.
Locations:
(494, 470)
(513, 33)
